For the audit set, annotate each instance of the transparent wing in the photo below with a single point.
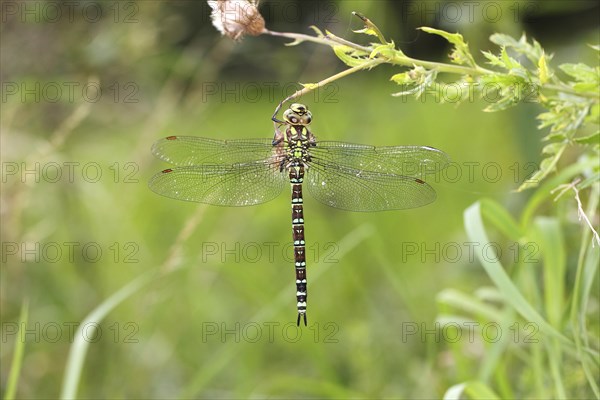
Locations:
(358, 190)
(410, 161)
(191, 150)
(222, 185)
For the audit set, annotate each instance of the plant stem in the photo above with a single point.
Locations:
(327, 40)
(441, 67)
(398, 58)
(309, 88)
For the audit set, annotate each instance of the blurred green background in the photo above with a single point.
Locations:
(218, 318)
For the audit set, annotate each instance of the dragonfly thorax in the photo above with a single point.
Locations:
(297, 141)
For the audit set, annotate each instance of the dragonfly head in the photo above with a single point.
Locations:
(297, 114)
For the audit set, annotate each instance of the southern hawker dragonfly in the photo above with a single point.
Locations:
(245, 172)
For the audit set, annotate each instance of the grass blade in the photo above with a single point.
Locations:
(17, 360)
(512, 295)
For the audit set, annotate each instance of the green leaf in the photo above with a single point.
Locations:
(501, 219)
(547, 233)
(582, 72)
(461, 53)
(552, 148)
(533, 51)
(18, 353)
(543, 72)
(504, 40)
(542, 195)
(348, 55)
(80, 345)
(546, 166)
(492, 59)
(401, 78)
(496, 272)
(366, 31)
(587, 182)
(387, 50)
(594, 138)
(509, 62)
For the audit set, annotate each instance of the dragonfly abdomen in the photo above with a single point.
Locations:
(296, 178)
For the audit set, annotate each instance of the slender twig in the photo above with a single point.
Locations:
(308, 88)
(327, 40)
(573, 186)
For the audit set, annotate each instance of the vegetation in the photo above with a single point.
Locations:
(491, 292)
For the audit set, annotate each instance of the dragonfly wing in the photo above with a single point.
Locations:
(222, 185)
(358, 190)
(191, 150)
(415, 161)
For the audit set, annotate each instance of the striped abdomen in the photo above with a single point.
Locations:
(296, 178)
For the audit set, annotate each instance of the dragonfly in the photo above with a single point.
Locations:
(246, 172)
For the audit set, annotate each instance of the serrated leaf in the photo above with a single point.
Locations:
(509, 62)
(555, 136)
(543, 73)
(492, 59)
(591, 139)
(503, 40)
(387, 50)
(461, 54)
(401, 78)
(502, 104)
(366, 31)
(552, 148)
(533, 52)
(581, 72)
(586, 87)
(348, 55)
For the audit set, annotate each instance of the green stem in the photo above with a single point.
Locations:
(441, 67)
(398, 58)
